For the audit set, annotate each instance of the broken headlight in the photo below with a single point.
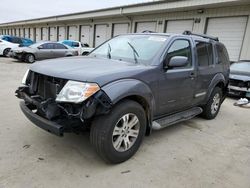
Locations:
(77, 92)
(25, 77)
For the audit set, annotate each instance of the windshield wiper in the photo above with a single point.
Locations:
(109, 51)
(135, 52)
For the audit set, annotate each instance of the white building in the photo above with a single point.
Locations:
(227, 19)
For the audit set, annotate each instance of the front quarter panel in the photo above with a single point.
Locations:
(125, 88)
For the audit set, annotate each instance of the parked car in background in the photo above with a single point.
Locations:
(239, 83)
(6, 46)
(42, 50)
(17, 40)
(83, 48)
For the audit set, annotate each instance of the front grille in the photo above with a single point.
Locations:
(45, 86)
(238, 83)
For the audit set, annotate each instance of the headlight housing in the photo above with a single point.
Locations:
(77, 92)
(24, 80)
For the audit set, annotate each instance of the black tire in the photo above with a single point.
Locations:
(6, 52)
(102, 128)
(210, 112)
(85, 53)
(30, 58)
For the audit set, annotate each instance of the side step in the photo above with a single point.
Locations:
(176, 118)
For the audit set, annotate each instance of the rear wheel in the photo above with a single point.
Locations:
(211, 109)
(6, 52)
(118, 135)
(29, 58)
(85, 53)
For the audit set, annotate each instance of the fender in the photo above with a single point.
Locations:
(216, 79)
(124, 88)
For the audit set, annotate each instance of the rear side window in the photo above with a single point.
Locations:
(60, 46)
(204, 53)
(75, 44)
(222, 54)
(48, 46)
(180, 47)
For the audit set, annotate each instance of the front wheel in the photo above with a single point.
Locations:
(29, 58)
(118, 135)
(211, 109)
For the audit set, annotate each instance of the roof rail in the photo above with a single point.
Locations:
(200, 35)
(148, 31)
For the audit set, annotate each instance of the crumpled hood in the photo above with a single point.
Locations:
(239, 77)
(89, 69)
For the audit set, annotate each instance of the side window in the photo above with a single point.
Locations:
(48, 46)
(204, 53)
(180, 47)
(60, 46)
(75, 44)
(222, 54)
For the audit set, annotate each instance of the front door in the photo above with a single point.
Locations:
(177, 86)
(45, 51)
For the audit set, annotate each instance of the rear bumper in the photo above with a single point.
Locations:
(41, 122)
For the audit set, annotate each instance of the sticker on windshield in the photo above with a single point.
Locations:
(156, 38)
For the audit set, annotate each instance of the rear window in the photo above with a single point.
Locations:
(223, 57)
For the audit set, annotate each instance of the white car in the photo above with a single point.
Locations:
(5, 47)
(83, 49)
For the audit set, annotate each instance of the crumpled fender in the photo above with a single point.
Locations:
(124, 88)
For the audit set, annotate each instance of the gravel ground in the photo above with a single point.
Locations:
(195, 153)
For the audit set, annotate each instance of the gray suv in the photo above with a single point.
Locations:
(127, 87)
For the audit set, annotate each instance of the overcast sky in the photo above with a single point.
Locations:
(14, 10)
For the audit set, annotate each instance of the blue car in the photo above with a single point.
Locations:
(17, 40)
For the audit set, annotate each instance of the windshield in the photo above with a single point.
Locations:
(132, 48)
(241, 67)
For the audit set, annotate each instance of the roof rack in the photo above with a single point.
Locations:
(148, 31)
(200, 35)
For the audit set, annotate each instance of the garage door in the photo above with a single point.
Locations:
(61, 33)
(52, 34)
(179, 26)
(17, 32)
(26, 33)
(45, 34)
(231, 31)
(85, 34)
(119, 29)
(38, 34)
(101, 33)
(145, 26)
(32, 33)
(72, 33)
(22, 32)
(13, 32)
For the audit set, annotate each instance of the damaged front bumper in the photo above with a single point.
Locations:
(59, 118)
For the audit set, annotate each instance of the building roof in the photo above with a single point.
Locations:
(133, 9)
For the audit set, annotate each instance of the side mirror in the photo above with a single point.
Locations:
(40, 47)
(177, 61)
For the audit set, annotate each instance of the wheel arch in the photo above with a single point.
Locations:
(130, 89)
(220, 81)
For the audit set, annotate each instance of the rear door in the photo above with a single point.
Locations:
(59, 50)
(206, 68)
(176, 90)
